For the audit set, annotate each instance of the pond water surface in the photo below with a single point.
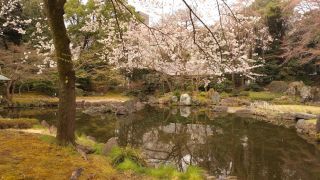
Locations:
(224, 145)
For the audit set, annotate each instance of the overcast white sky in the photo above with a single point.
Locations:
(156, 8)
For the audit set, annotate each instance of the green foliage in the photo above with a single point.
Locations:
(48, 139)
(45, 86)
(125, 159)
(263, 96)
(164, 172)
(253, 87)
(118, 155)
(128, 164)
(225, 86)
(177, 93)
(83, 140)
(193, 173)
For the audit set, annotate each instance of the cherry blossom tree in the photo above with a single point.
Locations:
(12, 24)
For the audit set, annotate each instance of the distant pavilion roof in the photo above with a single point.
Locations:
(3, 78)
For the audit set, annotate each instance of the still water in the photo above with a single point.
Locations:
(224, 145)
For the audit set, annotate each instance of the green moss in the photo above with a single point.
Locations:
(20, 123)
(193, 173)
(25, 156)
(48, 139)
(128, 164)
(164, 172)
(263, 96)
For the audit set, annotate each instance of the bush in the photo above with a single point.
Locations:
(278, 86)
(177, 93)
(225, 86)
(45, 87)
(118, 155)
(254, 87)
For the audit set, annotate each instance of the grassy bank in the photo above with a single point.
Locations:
(26, 156)
(32, 153)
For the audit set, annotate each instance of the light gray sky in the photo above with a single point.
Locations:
(207, 9)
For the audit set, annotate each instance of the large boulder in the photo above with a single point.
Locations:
(174, 99)
(121, 110)
(234, 102)
(294, 87)
(305, 93)
(303, 126)
(298, 88)
(220, 109)
(185, 100)
(315, 92)
(278, 86)
(112, 142)
(98, 110)
(185, 111)
(215, 98)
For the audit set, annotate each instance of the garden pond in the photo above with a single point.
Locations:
(224, 145)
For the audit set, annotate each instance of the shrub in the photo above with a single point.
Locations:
(224, 86)
(118, 155)
(46, 87)
(278, 86)
(177, 93)
(253, 87)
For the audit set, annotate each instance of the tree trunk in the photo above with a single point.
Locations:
(7, 93)
(67, 102)
(318, 125)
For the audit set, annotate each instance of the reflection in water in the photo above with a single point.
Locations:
(223, 145)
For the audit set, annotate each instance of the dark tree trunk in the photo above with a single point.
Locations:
(318, 125)
(7, 93)
(67, 102)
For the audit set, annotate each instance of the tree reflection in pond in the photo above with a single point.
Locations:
(224, 145)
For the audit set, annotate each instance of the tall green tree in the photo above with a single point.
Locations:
(67, 101)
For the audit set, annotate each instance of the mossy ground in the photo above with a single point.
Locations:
(26, 156)
(20, 123)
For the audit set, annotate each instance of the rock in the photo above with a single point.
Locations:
(244, 111)
(303, 126)
(185, 111)
(76, 174)
(215, 98)
(112, 142)
(53, 130)
(85, 149)
(220, 109)
(121, 110)
(138, 106)
(152, 100)
(297, 116)
(301, 90)
(98, 110)
(234, 102)
(45, 124)
(174, 99)
(293, 88)
(305, 116)
(185, 100)
(278, 86)
(91, 138)
(305, 93)
(315, 93)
